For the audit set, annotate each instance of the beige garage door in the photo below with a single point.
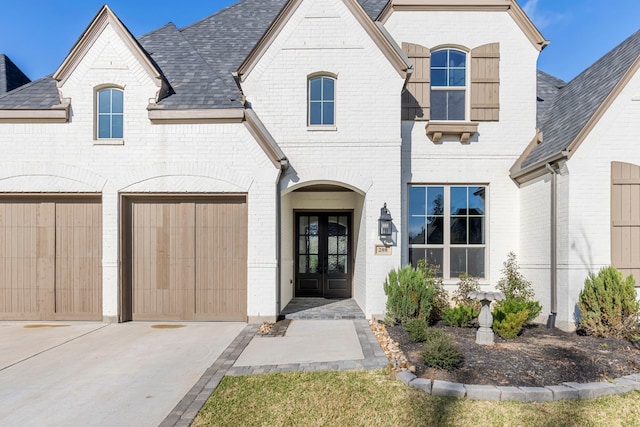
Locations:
(187, 259)
(50, 258)
(625, 218)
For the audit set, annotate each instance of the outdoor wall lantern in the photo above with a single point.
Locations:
(384, 222)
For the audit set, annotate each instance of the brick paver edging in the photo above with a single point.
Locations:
(186, 410)
(567, 390)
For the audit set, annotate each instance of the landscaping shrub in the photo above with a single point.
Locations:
(513, 283)
(460, 316)
(408, 296)
(509, 317)
(417, 329)
(608, 304)
(440, 351)
(438, 295)
(519, 308)
(466, 285)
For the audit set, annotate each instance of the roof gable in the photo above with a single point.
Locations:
(104, 18)
(384, 42)
(579, 105)
(510, 6)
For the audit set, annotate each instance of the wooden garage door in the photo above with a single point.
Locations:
(625, 218)
(50, 258)
(188, 259)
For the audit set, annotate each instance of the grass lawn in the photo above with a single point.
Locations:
(372, 398)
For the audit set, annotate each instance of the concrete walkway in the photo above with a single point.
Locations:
(95, 374)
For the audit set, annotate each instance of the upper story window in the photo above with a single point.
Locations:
(322, 101)
(110, 113)
(448, 84)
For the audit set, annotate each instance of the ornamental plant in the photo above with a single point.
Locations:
(440, 351)
(416, 329)
(438, 295)
(608, 304)
(460, 316)
(408, 296)
(518, 308)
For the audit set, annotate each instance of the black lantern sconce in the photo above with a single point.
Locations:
(384, 222)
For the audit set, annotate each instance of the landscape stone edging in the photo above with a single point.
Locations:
(567, 390)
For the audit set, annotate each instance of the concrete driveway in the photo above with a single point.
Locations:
(95, 374)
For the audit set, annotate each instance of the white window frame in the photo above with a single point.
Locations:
(466, 88)
(110, 140)
(322, 126)
(446, 245)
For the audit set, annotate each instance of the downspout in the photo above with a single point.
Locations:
(284, 165)
(551, 321)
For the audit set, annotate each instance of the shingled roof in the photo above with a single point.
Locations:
(11, 77)
(548, 88)
(578, 101)
(198, 60)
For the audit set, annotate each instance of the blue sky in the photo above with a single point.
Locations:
(38, 34)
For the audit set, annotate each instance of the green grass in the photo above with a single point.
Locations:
(374, 399)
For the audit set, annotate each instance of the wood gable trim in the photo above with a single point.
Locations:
(268, 144)
(212, 115)
(269, 37)
(510, 6)
(104, 18)
(604, 106)
(384, 42)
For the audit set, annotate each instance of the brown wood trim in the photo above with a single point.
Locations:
(462, 130)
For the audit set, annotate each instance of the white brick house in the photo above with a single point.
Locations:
(217, 171)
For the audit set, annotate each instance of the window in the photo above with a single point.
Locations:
(448, 84)
(110, 113)
(322, 101)
(447, 228)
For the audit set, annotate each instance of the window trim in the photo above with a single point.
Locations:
(446, 239)
(321, 75)
(466, 87)
(96, 133)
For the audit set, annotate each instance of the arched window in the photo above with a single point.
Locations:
(448, 84)
(322, 101)
(109, 113)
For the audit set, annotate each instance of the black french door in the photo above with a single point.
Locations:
(323, 255)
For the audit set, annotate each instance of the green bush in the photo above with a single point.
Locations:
(440, 351)
(417, 329)
(460, 316)
(439, 300)
(466, 285)
(508, 325)
(608, 304)
(513, 283)
(408, 296)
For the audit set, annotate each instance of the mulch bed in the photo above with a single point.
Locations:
(538, 357)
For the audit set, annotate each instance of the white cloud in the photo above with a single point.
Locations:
(541, 16)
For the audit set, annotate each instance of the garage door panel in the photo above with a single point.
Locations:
(192, 265)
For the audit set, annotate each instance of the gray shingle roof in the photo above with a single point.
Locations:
(40, 94)
(11, 76)
(548, 88)
(194, 83)
(225, 38)
(576, 103)
(197, 61)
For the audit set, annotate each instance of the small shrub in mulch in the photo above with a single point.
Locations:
(608, 305)
(440, 351)
(461, 316)
(417, 329)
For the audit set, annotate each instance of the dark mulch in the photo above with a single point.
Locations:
(538, 357)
